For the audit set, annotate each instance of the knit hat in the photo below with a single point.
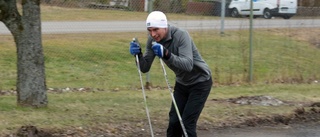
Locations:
(157, 19)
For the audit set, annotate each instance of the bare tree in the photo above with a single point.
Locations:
(26, 31)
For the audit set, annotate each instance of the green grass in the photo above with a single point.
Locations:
(103, 60)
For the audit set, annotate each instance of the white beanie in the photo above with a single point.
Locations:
(157, 19)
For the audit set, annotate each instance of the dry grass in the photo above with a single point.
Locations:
(123, 111)
(54, 13)
(310, 35)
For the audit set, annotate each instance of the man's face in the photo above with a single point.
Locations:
(157, 33)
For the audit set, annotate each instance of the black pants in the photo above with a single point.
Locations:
(190, 101)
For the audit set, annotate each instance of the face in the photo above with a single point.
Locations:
(157, 33)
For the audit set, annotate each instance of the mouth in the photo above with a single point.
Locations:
(156, 38)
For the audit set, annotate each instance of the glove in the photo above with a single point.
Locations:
(161, 51)
(135, 48)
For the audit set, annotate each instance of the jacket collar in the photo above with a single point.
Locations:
(169, 36)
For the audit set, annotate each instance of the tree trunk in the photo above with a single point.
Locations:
(26, 30)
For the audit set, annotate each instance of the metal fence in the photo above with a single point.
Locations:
(210, 31)
(198, 7)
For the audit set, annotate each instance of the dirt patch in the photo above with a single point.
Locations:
(305, 113)
(256, 100)
(300, 115)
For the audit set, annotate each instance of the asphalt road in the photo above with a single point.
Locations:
(139, 26)
(301, 130)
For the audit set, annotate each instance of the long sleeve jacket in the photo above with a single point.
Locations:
(185, 61)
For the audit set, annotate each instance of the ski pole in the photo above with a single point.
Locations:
(173, 100)
(143, 92)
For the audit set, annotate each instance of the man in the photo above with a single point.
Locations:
(193, 76)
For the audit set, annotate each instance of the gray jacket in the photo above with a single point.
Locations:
(185, 61)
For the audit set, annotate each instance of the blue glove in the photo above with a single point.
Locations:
(158, 49)
(135, 48)
(161, 51)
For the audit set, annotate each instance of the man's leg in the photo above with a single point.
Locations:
(181, 96)
(198, 95)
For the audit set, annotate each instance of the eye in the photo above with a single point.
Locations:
(152, 29)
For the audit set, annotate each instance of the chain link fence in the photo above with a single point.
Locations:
(83, 58)
(198, 7)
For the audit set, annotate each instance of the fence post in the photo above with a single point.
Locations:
(150, 8)
(223, 11)
(250, 40)
(150, 5)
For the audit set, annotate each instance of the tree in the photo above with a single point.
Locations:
(26, 31)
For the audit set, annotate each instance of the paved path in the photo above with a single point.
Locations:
(139, 26)
(305, 130)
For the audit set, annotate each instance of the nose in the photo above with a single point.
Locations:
(153, 33)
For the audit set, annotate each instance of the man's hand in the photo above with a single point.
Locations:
(161, 51)
(135, 48)
(158, 49)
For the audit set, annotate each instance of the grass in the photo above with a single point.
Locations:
(103, 60)
(126, 107)
(54, 13)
